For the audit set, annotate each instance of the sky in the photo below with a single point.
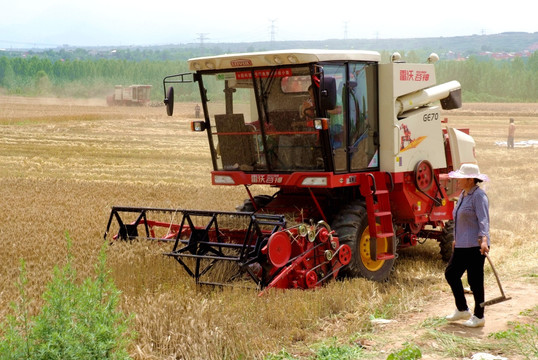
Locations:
(54, 23)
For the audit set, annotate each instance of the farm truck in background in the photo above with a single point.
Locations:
(356, 151)
(134, 95)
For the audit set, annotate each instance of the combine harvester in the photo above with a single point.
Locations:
(134, 95)
(355, 150)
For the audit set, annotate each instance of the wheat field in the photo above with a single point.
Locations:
(64, 163)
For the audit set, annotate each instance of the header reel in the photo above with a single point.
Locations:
(265, 250)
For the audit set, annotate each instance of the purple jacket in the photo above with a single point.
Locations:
(471, 218)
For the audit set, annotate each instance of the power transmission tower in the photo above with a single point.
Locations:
(273, 30)
(202, 37)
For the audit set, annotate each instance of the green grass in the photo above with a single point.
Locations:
(409, 352)
(330, 349)
(522, 338)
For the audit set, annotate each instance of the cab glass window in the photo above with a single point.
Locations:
(363, 131)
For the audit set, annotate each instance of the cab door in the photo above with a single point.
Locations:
(353, 123)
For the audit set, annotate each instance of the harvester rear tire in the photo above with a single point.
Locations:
(351, 227)
(446, 241)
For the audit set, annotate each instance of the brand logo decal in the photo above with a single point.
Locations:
(266, 179)
(241, 62)
(241, 75)
(412, 75)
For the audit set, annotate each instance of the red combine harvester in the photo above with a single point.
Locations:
(355, 150)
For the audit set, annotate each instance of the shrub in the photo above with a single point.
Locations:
(76, 322)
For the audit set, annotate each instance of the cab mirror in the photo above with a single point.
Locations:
(327, 93)
(169, 101)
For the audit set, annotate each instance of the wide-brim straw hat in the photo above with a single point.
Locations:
(468, 171)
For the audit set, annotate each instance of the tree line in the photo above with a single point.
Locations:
(493, 81)
(484, 80)
(80, 78)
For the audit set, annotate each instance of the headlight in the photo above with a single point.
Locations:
(223, 179)
(314, 181)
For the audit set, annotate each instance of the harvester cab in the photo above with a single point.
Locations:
(279, 118)
(354, 148)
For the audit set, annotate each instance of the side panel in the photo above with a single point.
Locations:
(461, 147)
(413, 206)
(118, 93)
(415, 135)
(127, 93)
(419, 136)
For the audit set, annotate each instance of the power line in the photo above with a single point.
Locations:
(34, 44)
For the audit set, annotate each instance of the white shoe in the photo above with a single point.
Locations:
(475, 322)
(459, 315)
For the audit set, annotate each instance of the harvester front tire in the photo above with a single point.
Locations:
(260, 200)
(351, 226)
(446, 241)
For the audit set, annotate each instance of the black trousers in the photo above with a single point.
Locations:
(472, 261)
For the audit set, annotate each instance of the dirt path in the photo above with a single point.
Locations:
(412, 327)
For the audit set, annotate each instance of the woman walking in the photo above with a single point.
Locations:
(471, 243)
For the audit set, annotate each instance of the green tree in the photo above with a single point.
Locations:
(7, 75)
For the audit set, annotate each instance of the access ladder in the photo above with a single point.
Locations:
(376, 194)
